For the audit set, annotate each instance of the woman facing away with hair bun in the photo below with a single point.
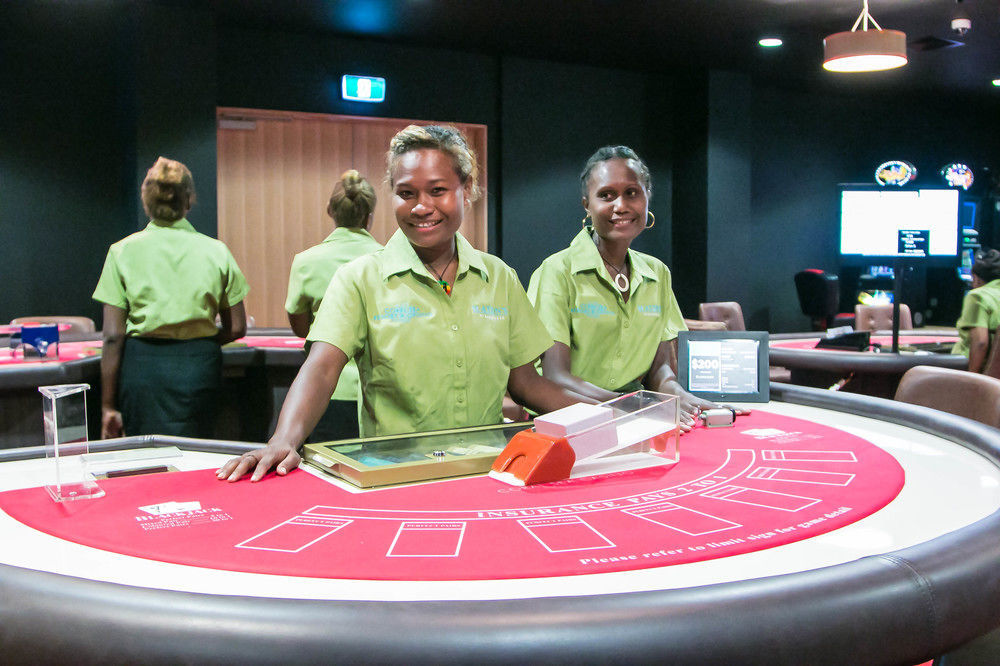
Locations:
(162, 288)
(439, 329)
(980, 311)
(611, 310)
(351, 207)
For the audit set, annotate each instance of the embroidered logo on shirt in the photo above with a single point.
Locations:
(402, 312)
(592, 310)
(649, 310)
(490, 312)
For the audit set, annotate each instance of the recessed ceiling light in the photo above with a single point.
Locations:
(996, 82)
(770, 42)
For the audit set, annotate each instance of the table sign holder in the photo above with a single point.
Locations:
(64, 415)
(40, 341)
(577, 440)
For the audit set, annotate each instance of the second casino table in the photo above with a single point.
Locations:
(257, 371)
(873, 372)
(823, 528)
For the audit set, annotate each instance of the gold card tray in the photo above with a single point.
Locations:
(439, 454)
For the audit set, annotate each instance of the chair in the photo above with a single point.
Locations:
(819, 298)
(992, 367)
(879, 317)
(728, 312)
(76, 324)
(702, 325)
(958, 392)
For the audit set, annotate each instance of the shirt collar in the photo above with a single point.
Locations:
(399, 257)
(343, 232)
(181, 225)
(585, 257)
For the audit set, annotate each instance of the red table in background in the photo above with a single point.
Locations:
(874, 373)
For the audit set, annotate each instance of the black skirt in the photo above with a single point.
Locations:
(339, 421)
(170, 387)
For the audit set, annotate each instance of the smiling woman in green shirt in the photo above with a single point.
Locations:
(351, 207)
(162, 288)
(439, 330)
(611, 310)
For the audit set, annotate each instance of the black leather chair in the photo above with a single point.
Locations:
(819, 298)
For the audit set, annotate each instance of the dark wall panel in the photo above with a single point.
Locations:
(731, 272)
(64, 151)
(175, 93)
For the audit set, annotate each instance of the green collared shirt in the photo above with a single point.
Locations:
(980, 309)
(171, 281)
(612, 342)
(428, 360)
(311, 272)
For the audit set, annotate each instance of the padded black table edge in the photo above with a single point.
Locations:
(900, 607)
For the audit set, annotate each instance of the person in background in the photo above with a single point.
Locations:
(439, 329)
(611, 310)
(162, 288)
(351, 208)
(980, 311)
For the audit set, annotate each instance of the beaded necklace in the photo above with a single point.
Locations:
(440, 276)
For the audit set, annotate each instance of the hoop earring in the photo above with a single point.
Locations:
(651, 217)
(584, 224)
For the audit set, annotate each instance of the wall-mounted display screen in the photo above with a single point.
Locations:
(913, 223)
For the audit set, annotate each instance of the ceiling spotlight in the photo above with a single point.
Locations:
(770, 42)
(961, 24)
(864, 50)
(996, 82)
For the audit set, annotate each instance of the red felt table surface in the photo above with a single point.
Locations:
(272, 341)
(771, 480)
(884, 340)
(10, 329)
(68, 351)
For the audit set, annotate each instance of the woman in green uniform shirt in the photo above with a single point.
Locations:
(980, 311)
(439, 330)
(162, 288)
(351, 207)
(611, 310)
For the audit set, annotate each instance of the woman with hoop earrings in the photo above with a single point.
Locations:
(611, 310)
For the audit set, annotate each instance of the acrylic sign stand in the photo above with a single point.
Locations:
(64, 414)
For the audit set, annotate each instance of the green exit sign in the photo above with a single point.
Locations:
(362, 88)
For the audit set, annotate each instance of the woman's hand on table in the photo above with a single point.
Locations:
(283, 458)
(690, 408)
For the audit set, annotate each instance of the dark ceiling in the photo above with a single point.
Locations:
(664, 34)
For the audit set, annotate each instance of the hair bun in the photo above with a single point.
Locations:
(351, 180)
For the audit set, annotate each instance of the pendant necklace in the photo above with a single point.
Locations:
(440, 276)
(621, 280)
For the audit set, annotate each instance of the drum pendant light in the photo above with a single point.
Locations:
(864, 50)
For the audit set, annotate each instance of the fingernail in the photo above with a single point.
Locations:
(281, 470)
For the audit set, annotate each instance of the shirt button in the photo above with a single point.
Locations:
(454, 327)
(626, 324)
(613, 382)
(460, 399)
(619, 354)
(459, 363)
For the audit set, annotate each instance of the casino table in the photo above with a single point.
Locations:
(257, 371)
(869, 372)
(822, 528)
